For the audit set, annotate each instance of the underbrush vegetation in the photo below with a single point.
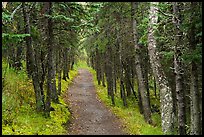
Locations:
(19, 116)
(133, 121)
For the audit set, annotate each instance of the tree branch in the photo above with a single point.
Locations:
(169, 15)
(15, 11)
(165, 14)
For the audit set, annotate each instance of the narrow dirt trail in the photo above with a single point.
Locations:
(89, 115)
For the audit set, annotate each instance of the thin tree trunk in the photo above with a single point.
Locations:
(146, 72)
(195, 125)
(139, 98)
(179, 71)
(59, 71)
(195, 109)
(65, 69)
(121, 69)
(127, 78)
(110, 74)
(98, 67)
(103, 70)
(143, 90)
(132, 87)
(59, 81)
(32, 69)
(122, 87)
(114, 73)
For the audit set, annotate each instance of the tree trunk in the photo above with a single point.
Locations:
(146, 72)
(98, 67)
(65, 72)
(121, 68)
(51, 83)
(122, 87)
(139, 99)
(179, 71)
(59, 71)
(65, 64)
(127, 78)
(195, 109)
(109, 75)
(165, 92)
(195, 125)
(143, 90)
(40, 72)
(114, 73)
(103, 70)
(155, 87)
(32, 69)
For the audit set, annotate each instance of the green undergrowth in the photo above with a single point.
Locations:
(18, 106)
(132, 120)
(81, 64)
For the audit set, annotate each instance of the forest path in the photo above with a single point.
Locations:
(89, 115)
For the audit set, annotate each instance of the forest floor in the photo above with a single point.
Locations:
(89, 115)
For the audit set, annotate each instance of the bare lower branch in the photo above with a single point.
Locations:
(15, 11)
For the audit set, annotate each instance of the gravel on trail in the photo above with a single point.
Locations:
(89, 115)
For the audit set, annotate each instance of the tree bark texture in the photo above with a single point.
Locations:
(32, 69)
(195, 125)
(178, 70)
(51, 83)
(165, 91)
(109, 76)
(142, 86)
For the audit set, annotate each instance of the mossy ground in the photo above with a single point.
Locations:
(18, 106)
(19, 116)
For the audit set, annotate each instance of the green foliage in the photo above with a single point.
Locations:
(142, 27)
(61, 114)
(168, 54)
(29, 123)
(35, 33)
(64, 84)
(12, 38)
(80, 64)
(18, 107)
(60, 18)
(6, 17)
(195, 55)
(94, 7)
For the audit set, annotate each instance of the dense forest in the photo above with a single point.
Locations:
(145, 54)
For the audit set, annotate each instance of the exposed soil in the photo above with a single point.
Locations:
(89, 115)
